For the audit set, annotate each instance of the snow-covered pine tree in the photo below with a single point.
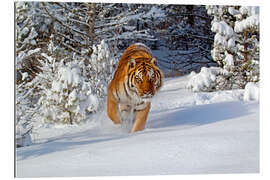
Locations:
(69, 98)
(232, 47)
(24, 112)
(72, 89)
(224, 51)
(224, 40)
(236, 49)
(100, 68)
(247, 41)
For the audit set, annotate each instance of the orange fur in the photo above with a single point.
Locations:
(135, 82)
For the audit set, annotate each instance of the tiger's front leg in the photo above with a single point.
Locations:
(125, 111)
(112, 108)
(140, 118)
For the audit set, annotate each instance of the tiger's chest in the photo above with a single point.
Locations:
(128, 99)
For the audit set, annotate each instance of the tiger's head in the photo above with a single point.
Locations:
(145, 78)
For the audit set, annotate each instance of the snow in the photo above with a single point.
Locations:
(249, 22)
(222, 28)
(93, 103)
(202, 80)
(49, 58)
(69, 76)
(25, 31)
(233, 11)
(24, 75)
(155, 12)
(219, 39)
(229, 60)
(22, 134)
(186, 133)
(250, 10)
(252, 92)
(231, 43)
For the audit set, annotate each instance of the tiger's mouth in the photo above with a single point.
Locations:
(147, 96)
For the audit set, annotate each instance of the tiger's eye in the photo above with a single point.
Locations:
(138, 79)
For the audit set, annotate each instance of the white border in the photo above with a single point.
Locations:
(194, 2)
(7, 90)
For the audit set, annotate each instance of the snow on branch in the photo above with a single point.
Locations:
(62, 23)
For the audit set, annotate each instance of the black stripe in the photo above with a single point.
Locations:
(131, 78)
(136, 110)
(129, 86)
(129, 83)
(159, 79)
(141, 68)
(140, 103)
(125, 88)
(117, 94)
(132, 74)
(158, 74)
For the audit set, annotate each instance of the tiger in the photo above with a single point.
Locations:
(136, 80)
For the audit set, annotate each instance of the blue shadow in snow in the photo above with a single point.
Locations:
(198, 115)
(63, 144)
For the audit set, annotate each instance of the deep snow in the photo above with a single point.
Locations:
(186, 133)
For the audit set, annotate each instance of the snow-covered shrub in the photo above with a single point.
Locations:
(24, 112)
(70, 98)
(67, 90)
(205, 80)
(252, 92)
(100, 68)
(23, 133)
(74, 87)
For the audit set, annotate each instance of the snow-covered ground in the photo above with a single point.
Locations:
(186, 133)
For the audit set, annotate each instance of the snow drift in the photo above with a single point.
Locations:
(186, 133)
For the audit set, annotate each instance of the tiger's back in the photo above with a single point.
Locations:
(135, 82)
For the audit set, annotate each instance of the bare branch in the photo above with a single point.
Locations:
(63, 24)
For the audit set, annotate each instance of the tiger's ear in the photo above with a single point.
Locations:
(132, 63)
(154, 61)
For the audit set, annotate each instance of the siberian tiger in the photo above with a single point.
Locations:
(136, 80)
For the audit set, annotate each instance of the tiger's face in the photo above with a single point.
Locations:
(144, 78)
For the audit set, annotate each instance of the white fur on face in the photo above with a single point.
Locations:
(139, 74)
(150, 73)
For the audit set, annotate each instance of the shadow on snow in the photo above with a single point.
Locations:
(197, 115)
(194, 116)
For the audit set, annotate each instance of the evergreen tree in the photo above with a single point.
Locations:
(247, 30)
(69, 98)
(236, 45)
(69, 90)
